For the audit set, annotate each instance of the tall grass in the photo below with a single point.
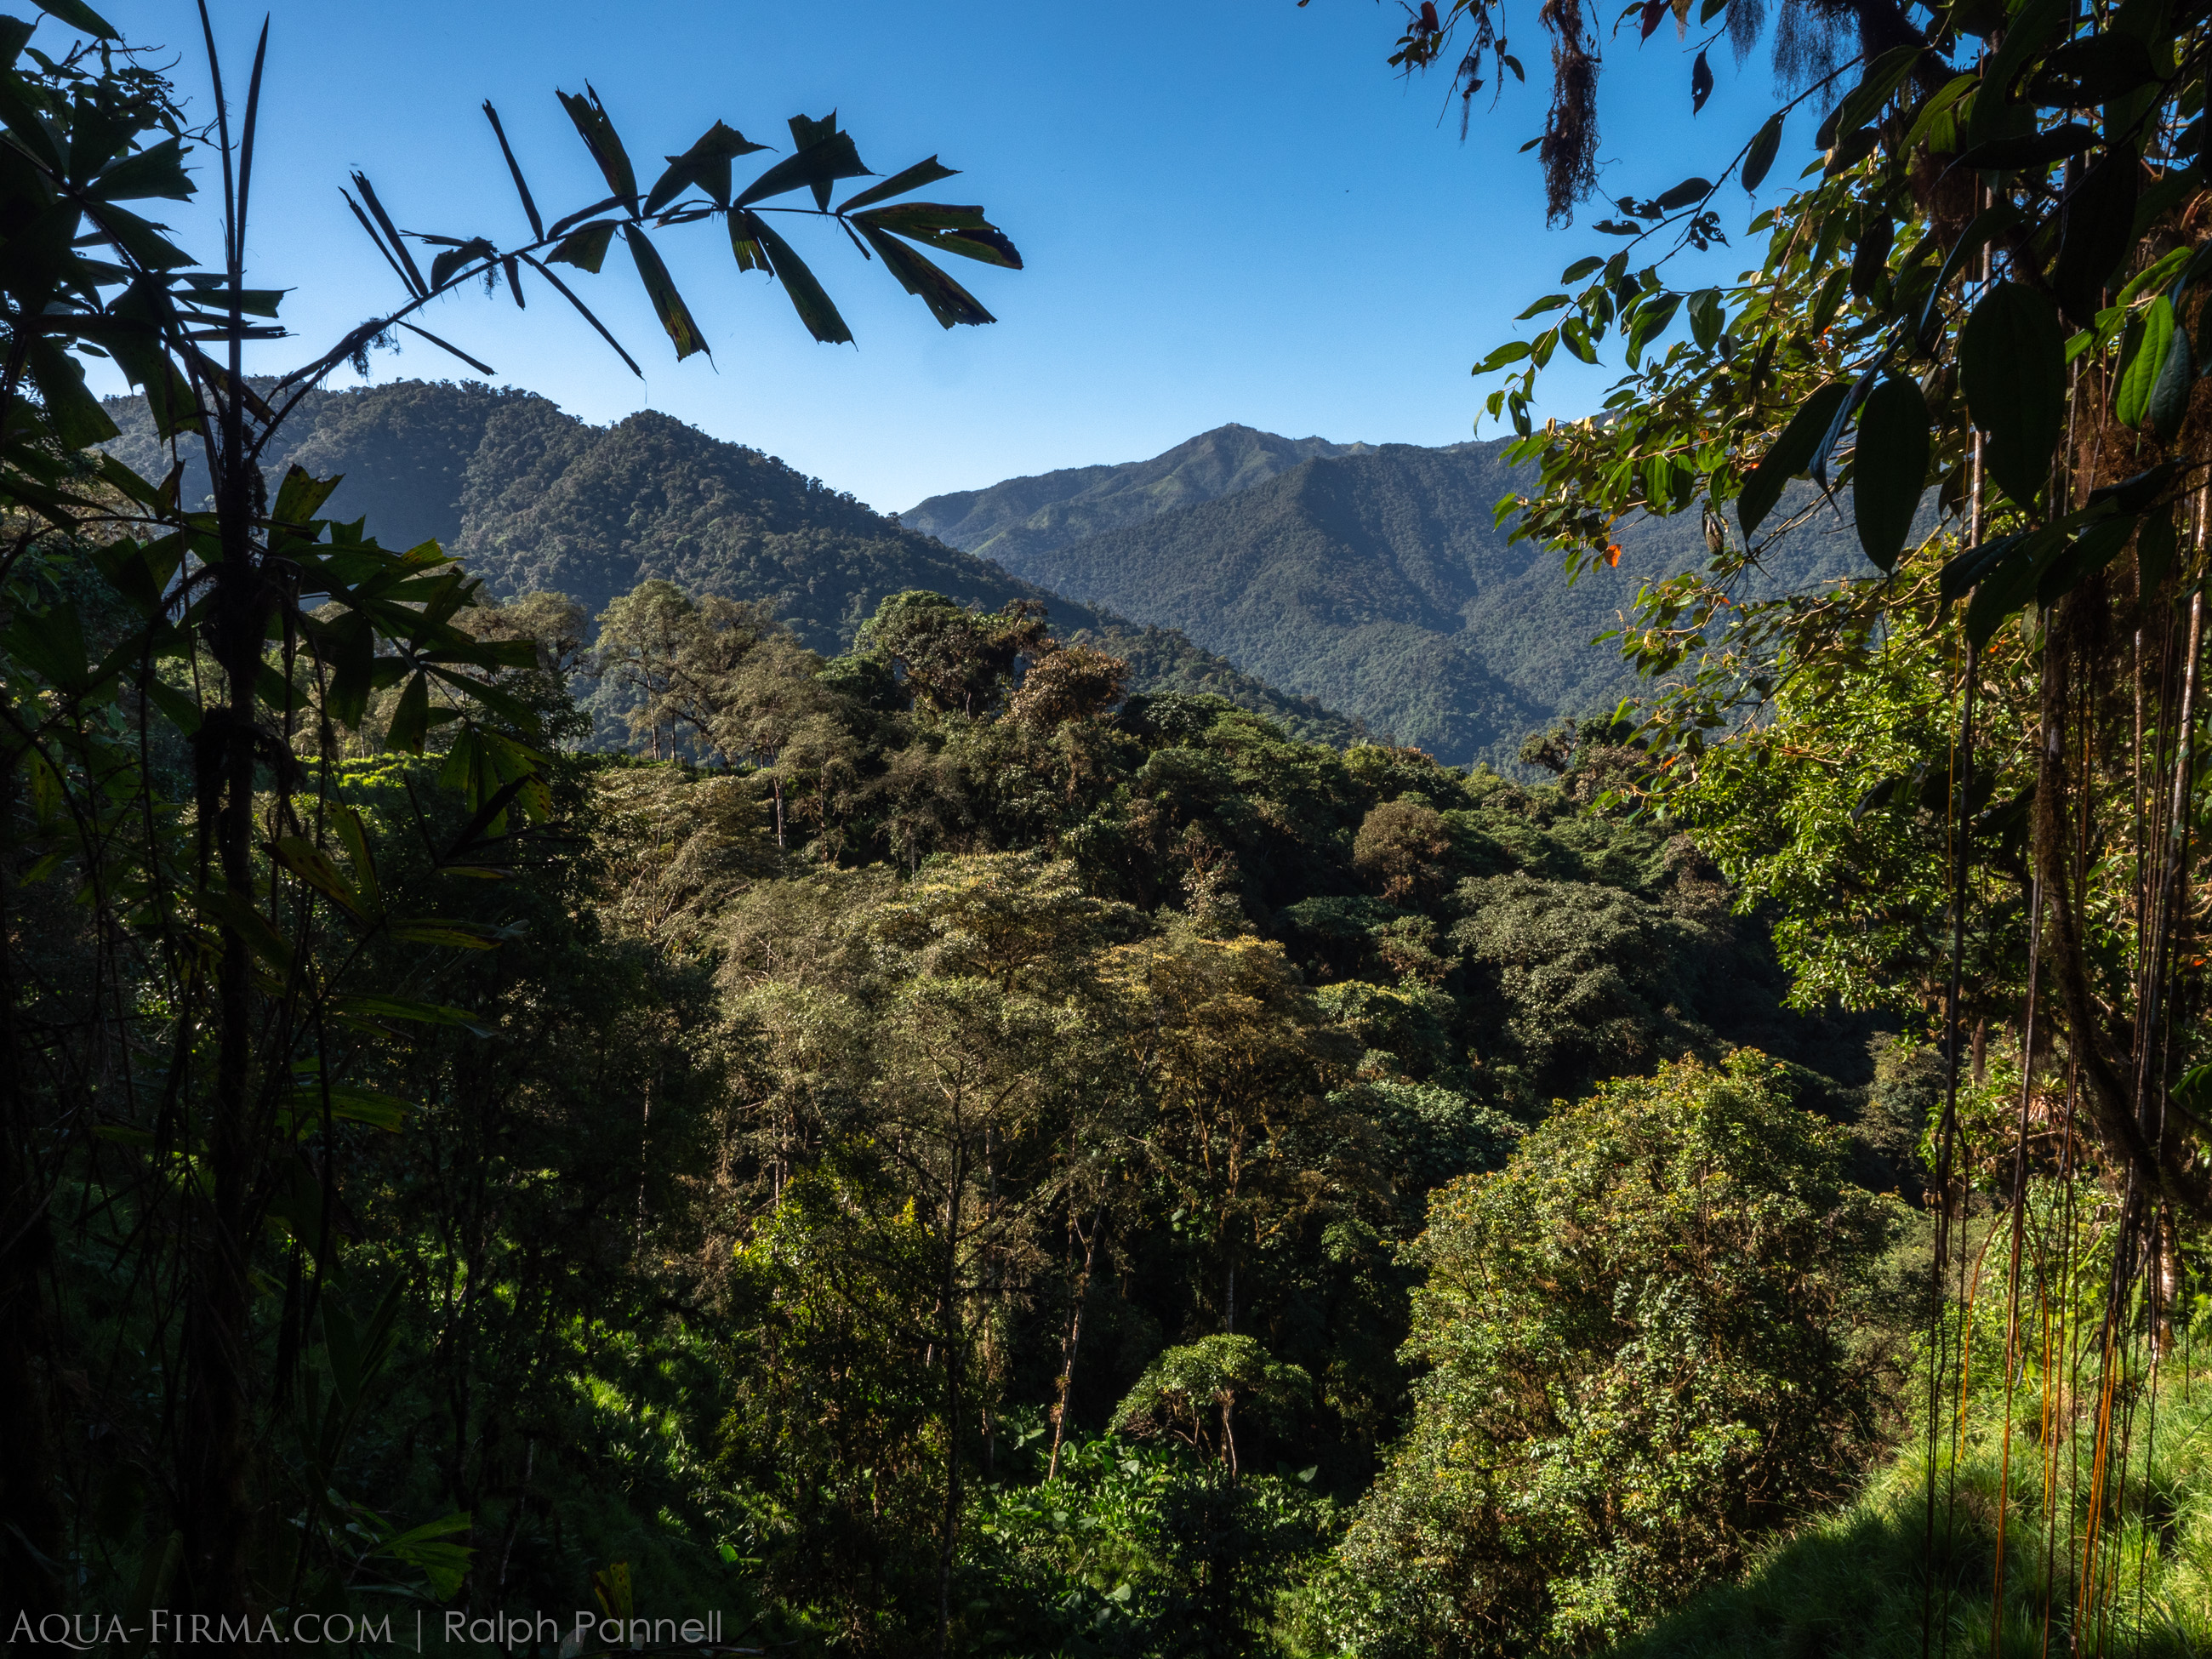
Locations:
(2125, 1569)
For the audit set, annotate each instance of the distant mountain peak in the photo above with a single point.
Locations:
(1023, 519)
(531, 498)
(1378, 579)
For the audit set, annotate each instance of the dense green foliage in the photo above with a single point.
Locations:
(957, 1140)
(1971, 772)
(1647, 1341)
(772, 1219)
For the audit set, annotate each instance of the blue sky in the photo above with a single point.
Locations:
(1230, 209)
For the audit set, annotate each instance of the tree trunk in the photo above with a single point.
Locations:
(1068, 1348)
(32, 1543)
(215, 1503)
(951, 1292)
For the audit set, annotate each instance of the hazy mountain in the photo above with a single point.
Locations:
(532, 498)
(1021, 517)
(1378, 582)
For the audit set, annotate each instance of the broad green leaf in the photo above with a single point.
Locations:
(443, 1564)
(179, 710)
(313, 865)
(411, 719)
(914, 178)
(397, 250)
(2035, 149)
(2136, 494)
(156, 172)
(1789, 454)
(1964, 570)
(807, 296)
(2158, 271)
(1982, 229)
(300, 495)
(1764, 146)
(948, 301)
(1708, 317)
(51, 644)
(2030, 30)
(1511, 352)
(1871, 258)
(1883, 77)
(2007, 583)
(1889, 471)
(2152, 335)
(818, 165)
(1828, 301)
(1850, 150)
(373, 1010)
(303, 1109)
(2169, 395)
(78, 418)
(78, 15)
(1934, 109)
(346, 646)
(2012, 367)
(667, 304)
(1651, 319)
(706, 164)
(2091, 551)
(131, 483)
(743, 245)
(806, 133)
(501, 703)
(345, 821)
(210, 291)
(1824, 450)
(2096, 229)
(962, 230)
(586, 249)
(514, 171)
(2098, 70)
(596, 128)
(459, 935)
(449, 348)
(453, 258)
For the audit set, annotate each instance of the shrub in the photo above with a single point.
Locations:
(1646, 1336)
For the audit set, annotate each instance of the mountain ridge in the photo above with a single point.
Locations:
(1019, 518)
(532, 498)
(1379, 581)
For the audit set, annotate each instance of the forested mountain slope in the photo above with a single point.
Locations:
(533, 499)
(1368, 576)
(1021, 517)
(1376, 579)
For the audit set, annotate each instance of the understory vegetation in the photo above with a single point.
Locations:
(952, 1148)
